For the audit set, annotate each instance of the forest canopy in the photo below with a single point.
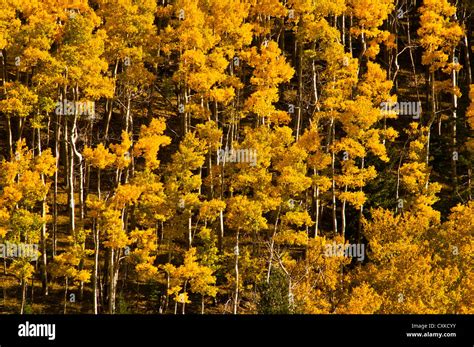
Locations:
(236, 156)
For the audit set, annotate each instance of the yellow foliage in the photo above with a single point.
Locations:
(22, 269)
(439, 32)
(121, 151)
(362, 300)
(151, 139)
(99, 157)
(111, 223)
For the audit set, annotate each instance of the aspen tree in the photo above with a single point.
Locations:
(439, 36)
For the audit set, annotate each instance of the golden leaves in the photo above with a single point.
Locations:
(22, 269)
(439, 33)
(245, 214)
(150, 142)
(270, 70)
(200, 277)
(112, 224)
(210, 210)
(121, 151)
(363, 299)
(143, 254)
(19, 101)
(23, 179)
(99, 157)
(67, 264)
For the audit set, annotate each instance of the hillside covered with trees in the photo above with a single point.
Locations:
(236, 156)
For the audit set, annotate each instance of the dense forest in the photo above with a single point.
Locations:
(236, 156)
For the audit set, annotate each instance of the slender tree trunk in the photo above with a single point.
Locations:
(55, 195)
(114, 267)
(10, 136)
(468, 59)
(236, 291)
(185, 113)
(221, 230)
(454, 154)
(116, 277)
(44, 254)
(110, 103)
(316, 217)
(183, 306)
(23, 296)
(300, 90)
(361, 209)
(210, 175)
(190, 230)
(343, 215)
(72, 216)
(111, 282)
(333, 178)
(350, 36)
(272, 244)
(343, 30)
(315, 86)
(127, 114)
(96, 268)
(74, 138)
(167, 291)
(98, 183)
(433, 117)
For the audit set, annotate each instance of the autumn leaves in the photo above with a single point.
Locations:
(233, 144)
